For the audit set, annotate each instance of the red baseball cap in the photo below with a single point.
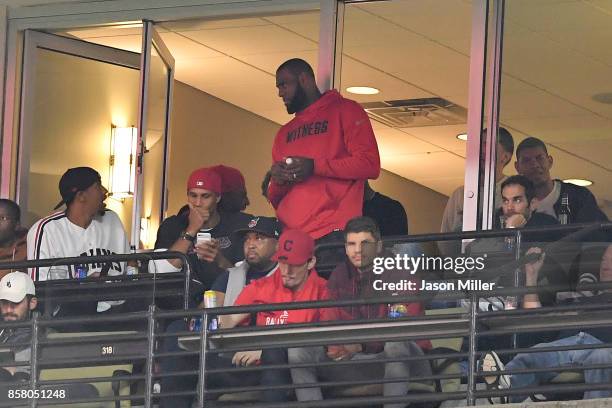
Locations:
(206, 179)
(295, 247)
(231, 178)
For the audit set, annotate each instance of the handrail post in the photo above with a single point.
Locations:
(471, 385)
(34, 357)
(150, 353)
(517, 279)
(202, 371)
(187, 282)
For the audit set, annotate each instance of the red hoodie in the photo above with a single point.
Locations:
(336, 133)
(270, 289)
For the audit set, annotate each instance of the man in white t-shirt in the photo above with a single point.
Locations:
(86, 228)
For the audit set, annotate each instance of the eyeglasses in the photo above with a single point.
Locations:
(4, 218)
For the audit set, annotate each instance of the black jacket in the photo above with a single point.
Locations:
(582, 203)
(206, 272)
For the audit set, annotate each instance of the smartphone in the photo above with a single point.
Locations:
(203, 237)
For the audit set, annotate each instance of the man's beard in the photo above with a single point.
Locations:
(298, 101)
(262, 265)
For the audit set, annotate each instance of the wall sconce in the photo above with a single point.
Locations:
(145, 224)
(122, 173)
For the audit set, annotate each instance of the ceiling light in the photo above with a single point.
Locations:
(579, 182)
(362, 90)
(462, 136)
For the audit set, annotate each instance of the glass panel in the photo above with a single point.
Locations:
(153, 174)
(416, 54)
(557, 66)
(77, 101)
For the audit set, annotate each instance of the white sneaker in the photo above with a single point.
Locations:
(492, 363)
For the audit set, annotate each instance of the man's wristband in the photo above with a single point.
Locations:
(188, 237)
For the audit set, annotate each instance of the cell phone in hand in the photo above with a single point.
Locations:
(203, 237)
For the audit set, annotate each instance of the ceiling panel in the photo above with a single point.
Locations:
(304, 24)
(270, 61)
(395, 142)
(444, 137)
(252, 41)
(355, 73)
(451, 29)
(185, 48)
(555, 67)
(597, 152)
(536, 103)
(563, 128)
(197, 25)
(226, 71)
(558, 17)
(603, 5)
(436, 79)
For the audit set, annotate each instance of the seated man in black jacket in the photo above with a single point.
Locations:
(178, 232)
(518, 204)
(517, 211)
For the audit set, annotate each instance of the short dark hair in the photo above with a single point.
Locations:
(530, 143)
(362, 224)
(12, 208)
(521, 181)
(297, 66)
(505, 139)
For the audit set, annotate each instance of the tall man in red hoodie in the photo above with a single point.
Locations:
(321, 158)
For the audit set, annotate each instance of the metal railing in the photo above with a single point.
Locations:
(146, 342)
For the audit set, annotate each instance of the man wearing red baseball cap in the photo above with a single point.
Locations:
(216, 250)
(295, 280)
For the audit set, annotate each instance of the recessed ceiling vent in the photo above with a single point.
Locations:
(407, 113)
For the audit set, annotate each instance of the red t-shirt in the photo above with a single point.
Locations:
(271, 290)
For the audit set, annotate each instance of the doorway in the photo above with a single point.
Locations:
(86, 104)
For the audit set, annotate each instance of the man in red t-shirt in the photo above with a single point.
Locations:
(355, 279)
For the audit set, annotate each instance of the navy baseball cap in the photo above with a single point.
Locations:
(74, 180)
(268, 226)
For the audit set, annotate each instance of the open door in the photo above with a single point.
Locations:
(157, 77)
(74, 96)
